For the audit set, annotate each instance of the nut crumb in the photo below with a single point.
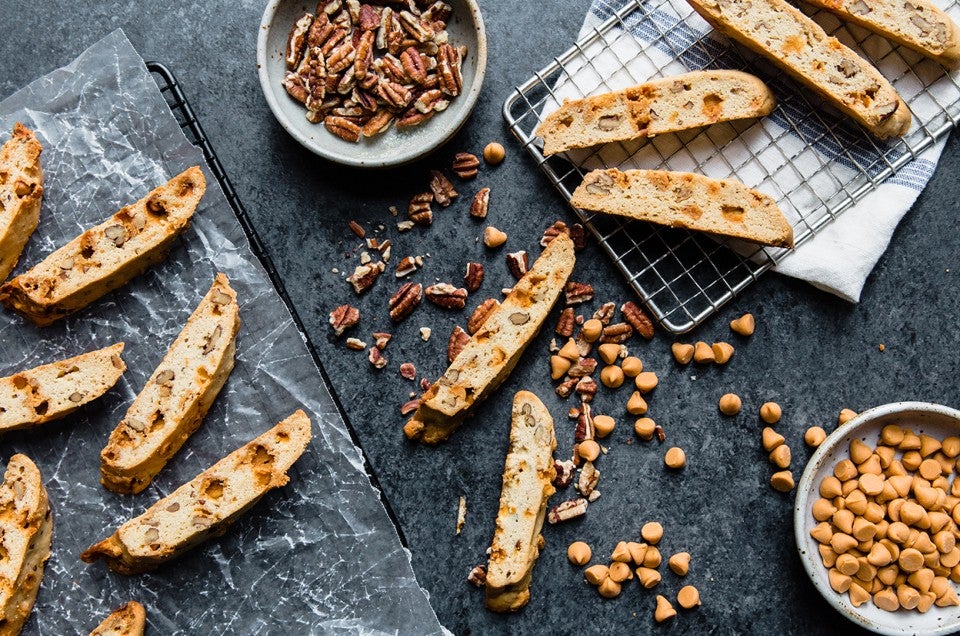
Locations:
(461, 513)
(425, 333)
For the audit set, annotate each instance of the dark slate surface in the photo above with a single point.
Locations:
(812, 353)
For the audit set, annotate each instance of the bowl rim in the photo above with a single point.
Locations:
(804, 490)
(270, 93)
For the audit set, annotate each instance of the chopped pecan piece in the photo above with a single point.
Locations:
(474, 277)
(376, 358)
(381, 339)
(407, 265)
(405, 301)
(419, 209)
(357, 229)
(356, 344)
(565, 323)
(588, 480)
(481, 313)
(565, 388)
(408, 371)
(579, 236)
(576, 293)
(638, 319)
(584, 366)
(447, 296)
(552, 232)
(364, 276)
(586, 388)
(409, 407)
(458, 340)
(567, 510)
(605, 313)
(478, 576)
(480, 204)
(518, 263)
(344, 317)
(465, 165)
(617, 333)
(584, 429)
(565, 470)
(443, 191)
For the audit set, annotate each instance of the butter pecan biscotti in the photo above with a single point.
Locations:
(129, 619)
(205, 506)
(664, 105)
(177, 396)
(107, 256)
(492, 352)
(21, 189)
(682, 199)
(527, 485)
(784, 35)
(26, 529)
(55, 390)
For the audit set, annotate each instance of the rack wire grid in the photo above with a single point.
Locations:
(808, 157)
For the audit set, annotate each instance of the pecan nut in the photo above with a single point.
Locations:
(408, 371)
(567, 510)
(552, 232)
(419, 209)
(406, 266)
(405, 300)
(565, 470)
(617, 333)
(443, 191)
(586, 388)
(364, 276)
(605, 313)
(381, 339)
(376, 358)
(413, 66)
(342, 128)
(480, 204)
(584, 429)
(448, 70)
(565, 323)
(478, 576)
(356, 344)
(409, 406)
(588, 480)
(583, 367)
(369, 18)
(474, 277)
(458, 340)
(565, 388)
(518, 263)
(638, 319)
(576, 293)
(446, 295)
(344, 317)
(481, 313)
(466, 165)
(297, 41)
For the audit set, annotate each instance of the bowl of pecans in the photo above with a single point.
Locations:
(372, 85)
(876, 519)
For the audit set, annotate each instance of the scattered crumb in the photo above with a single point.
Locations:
(461, 514)
(425, 333)
(334, 271)
(693, 377)
(881, 347)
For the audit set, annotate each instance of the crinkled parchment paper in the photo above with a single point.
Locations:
(317, 556)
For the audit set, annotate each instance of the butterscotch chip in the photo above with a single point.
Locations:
(780, 456)
(644, 428)
(579, 553)
(744, 325)
(929, 469)
(603, 425)
(636, 405)
(609, 588)
(649, 578)
(682, 353)
(664, 609)
(675, 458)
(646, 381)
(632, 366)
(609, 352)
(592, 329)
(688, 597)
(722, 352)
(612, 377)
(770, 412)
(596, 574)
(770, 439)
(730, 404)
(783, 482)
(679, 563)
(703, 353)
(814, 436)
(652, 532)
(845, 416)
(620, 572)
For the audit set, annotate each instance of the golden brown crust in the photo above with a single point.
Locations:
(21, 191)
(127, 620)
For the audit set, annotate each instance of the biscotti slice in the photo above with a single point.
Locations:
(21, 189)
(664, 105)
(55, 390)
(107, 256)
(527, 485)
(206, 506)
(490, 355)
(177, 396)
(681, 199)
(129, 620)
(917, 24)
(798, 45)
(26, 528)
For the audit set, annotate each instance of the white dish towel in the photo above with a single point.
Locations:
(843, 253)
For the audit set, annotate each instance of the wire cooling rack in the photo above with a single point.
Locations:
(810, 159)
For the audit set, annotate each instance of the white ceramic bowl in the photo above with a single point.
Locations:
(922, 417)
(393, 147)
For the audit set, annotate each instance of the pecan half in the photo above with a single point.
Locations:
(376, 358)
(474, 277)
(465, 165)
(320, 31)
(340, 57)
(565, 470)
(583, 367)
(356, 344)
(617, 333)
(458, 340)
(378, 123)
(552, 232)
(419, 209)
(448, 70)
(407, 265)
(369, 19)
(567, 510)
(565, 388)
(412, 117)
(518, 263)
(405, 300)
(343, 318)
(342, 128)
(605, 313)
(415, 27)
(395, 95)
(576, 293)
(413, 65)
(408, 371)
(481, 204)
(363, 57)
(565, 323)
(443, 191)
(297, 40)
(481, 313)
(446, 295)
(638, 319)
(431, 101)
(579, 236)
(364, 276)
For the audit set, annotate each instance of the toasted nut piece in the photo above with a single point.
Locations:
(612, 377)
(744, 325)
(770, 412)
(814, 436)
(644, 428)
(632, 366)
(596, 574)
(780, 456)
(649, 578)
(682, 353)
(722, 352)
(620, 572)
(664, 609)
(559, 366)
(688, 597)
(603, 425)
(591, 330)
(492, 237)
(770, 439)
(730, 404)
(646, 381)
(652, 532)
(783, 482)
(609, 352)
(570, 351)
(845, 416)
(702, 353)
(675, 458)
(493, 153)
(588, 449)
(680, 563)
(579, 553)
(609, 588)
(636, 405)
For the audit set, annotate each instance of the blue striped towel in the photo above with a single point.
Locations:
(802, 159)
